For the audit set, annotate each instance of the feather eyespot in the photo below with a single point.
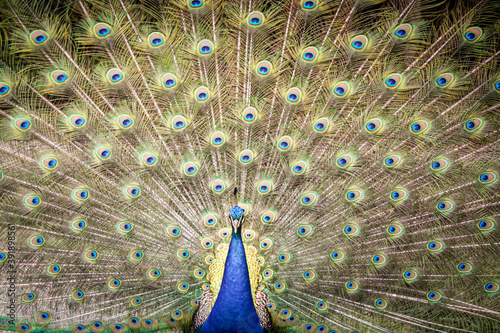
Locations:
(39, 37)
(207, 243)
(354, 195)
(445, 206)
(285, 143)
(255, 19)
(359, 43)
(266, 244)
(379, 260)
(59, 76)
(321, 125)
(23, 327)
(115, 75)
(218, 186)
(265, 187)
(78, 295)
(435, 246)
(77, 121)
(135, 256)
(322, 306)
(249, 234)
(474, 125)
(341, 89)
(393, 81)
(102, 153)
(134, 322)
(218, 139)
(178, 123)
(285, 313)
(351, 229)
(338, 256)
(299, 168)
(202, 94)
(395, 230)
(310, 54)
(124, 227)
(114, 284)
(486, 225)
(205, 48)
(249, 115)
(308, 199)
(305, 230)
(102, 30)
(198, 273)
(263, 68)
(169, 81)
(209, 259)
(190, 169)
(173, 230)
(293, 95)
(434, 296)
(3, 257)
(153, 274)
(399, 195)
(374, 125)
(321, 328)
(22, 124)
(177, 314)
(488, 178)
(440, 164)
(465, 268)
(36, 241)
(91, 256)
(149, 159)
(444, 80)
(261, 261)
(183, 287)
(78, 224)
(473, 34)
(419, 126)
(392, 161)
(403, 31)
(344, 161)
(32, 201)
(246, 156)
(53, 270)
(309, 328)
(268, 217)
(4, 89)
(491, 287)
(183, 254)
(279, 287)
(309, 5)
(309, 275)
(195, 4)
(245, 208)
(210, 220)
(43, 317)
(28, 298)
(117, 328)
(80, 194)
(268, 274)
(381, 303)
(156, 39)
(352, 286)
(135, 301)
(124, 121)
(49, 163)
(410, 275)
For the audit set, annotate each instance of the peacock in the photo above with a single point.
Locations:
(249, 166)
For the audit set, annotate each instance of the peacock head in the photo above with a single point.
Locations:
(236, 217)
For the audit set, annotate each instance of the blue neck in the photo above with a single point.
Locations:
(234, 310)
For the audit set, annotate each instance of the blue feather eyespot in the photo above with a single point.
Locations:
(135, 256)
(279, 287)
(195, 4)
(293, 95)
(268, 217)
(261, 261)
(149, 159)
(473, 34)
(177, 314)
(4, 89)
(22, 124)
(202, 94)
(205, 48)
(48, 163)
(246, 156)
(322, 306)
(207, 243)
(381, 303)
(444, 80)
(178, 123)
(488, 178)
(354, 195)
(440, 164)
(435, 246)
(102, 153)
(352, 286)
(183, 287)
(249, 235)
(285, 143)
(266, 244)
(209, 259)
(169, 81)
(399, 195)
(308, 199)
(124, 121)
(32, 201)
(491, 287)
(91, 256)
(183, 254)
(344, 161)
(310, 55)
(351, 229)
(268, 274)
(80, 194)
(445, 206)
(359, 43)
(39, 37)
(255, 19)
(218, 139)
(134, 322)
(341, 89)
(1, 175)
(285, 313)
(173, 230)
(379, 260)
(210, 220)
(78, 224)
(271, 307)
(393, 80)
(114, 75)
(148, 324)
(305, 230)
(23, 327)
(114, 284)
(153, 274)
(374, 125)
(392, 161)
(299, 168)
(474, 125)
(36, 241)
(53, 270)
(263, 68)
(77, 121)
(410, 275)
(218, 186)
(195, 303)
(135, 301)
(156, 39)
(395, 230)
(434, 296)
(78, 295)
(309, 5)
(102, 30)
(309, 328)
(28, 298)
(310, 275)
(419, 127)
(124, 227)
(465, 268)
(486, 225)
(59, 76)
(190, 169)
(403, 31)
(198, 273)
(321, 125)
(224, 233)
(117, 328)
(43, 317)
(249, 115)
(322, 328)
(338, 256)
